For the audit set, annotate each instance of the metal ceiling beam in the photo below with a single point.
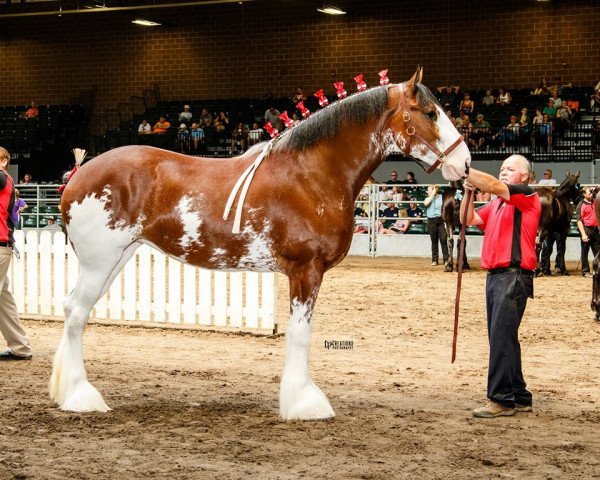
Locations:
(119, 9)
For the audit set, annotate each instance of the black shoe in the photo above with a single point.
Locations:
(8, 355)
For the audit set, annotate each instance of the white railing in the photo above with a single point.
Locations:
(151, 288)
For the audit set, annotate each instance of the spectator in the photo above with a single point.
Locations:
(413, 209)
(465, 127)
(510, 134)
(539, 117)
(144, 128)
(206, 119)
(532, 178)
(32, 111)
(504, 97)
(295, 118)
(18, 207)
(390, 214)
(196, 139)
(488, 99)
(480, 133)
(547, 180)
(596, 135)
(588, 228)
(272, 115)
(447, 95)
(394, 178)
(221, 124)
(452, 118)
(435, 224)
(183, 138)
(239, 139)
(410, 179)
(539, 90)
(186, 115)
(402, 224)
(51, 225)
(467, 105)
(556, 98)
(544, 132)
(255, 135)
(27, 179)
(397, 194)
(13, 333)
(550, 109)
(524, 118)
(162, 126)
(298, 96)
(595, 102)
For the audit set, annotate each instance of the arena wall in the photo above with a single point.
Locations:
(233, 50)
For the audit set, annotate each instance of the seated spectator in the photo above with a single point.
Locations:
(452, 118)
(255, 135)
(206, 119)
(162, 126)
(488, 99)
(465, 127)
(480, 132)
(52, 225)
(186, 115)
(31, 112)
(414, 211)
(447, 95)
(467, 105)
(550, 109)
(595, 102)
(389, 214)
(298, 95)
(221, 124)
(402, 224)
(524, 123)
(239, 139)
(543, 132)
(27, 179)
(548, 180)
(532, 179)
(397, 194)
(539, 117)
(557, 99)
(272, 115)
(596, 135)
(183, 138)
(196, 139)
(295, 118)
(394, 178)
(540, 90)
(410, 179)
(145, 128)
(504, 97)
(509, 134)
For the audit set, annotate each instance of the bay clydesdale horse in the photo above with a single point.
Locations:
(296, 218)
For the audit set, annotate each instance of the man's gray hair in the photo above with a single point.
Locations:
(524, 162)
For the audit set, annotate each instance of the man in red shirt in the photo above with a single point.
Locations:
(510, 222)
(15, 336)
(588, 228)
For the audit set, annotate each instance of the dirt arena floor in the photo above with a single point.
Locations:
(200, 405)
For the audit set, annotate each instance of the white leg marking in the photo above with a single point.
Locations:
(299, 397)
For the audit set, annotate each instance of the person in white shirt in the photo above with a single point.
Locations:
(144, 128)
(186, 115)
(548, 180)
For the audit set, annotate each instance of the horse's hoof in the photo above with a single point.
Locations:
(448, 268)
(466, 266)
(565, 273)
(306, 403)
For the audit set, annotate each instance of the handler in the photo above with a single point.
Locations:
(15, 336)
(510, 223)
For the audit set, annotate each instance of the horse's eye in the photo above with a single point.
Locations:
(431, 114)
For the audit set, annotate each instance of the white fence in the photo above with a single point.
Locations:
(151, 287)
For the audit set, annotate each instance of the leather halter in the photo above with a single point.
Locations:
(412, 132)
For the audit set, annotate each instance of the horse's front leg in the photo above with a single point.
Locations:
(299, 397)
(561, 248)
(450, 234)
(596, 286)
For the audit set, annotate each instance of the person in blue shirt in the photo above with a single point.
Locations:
(435, 224)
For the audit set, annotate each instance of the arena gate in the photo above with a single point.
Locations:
(151, 288)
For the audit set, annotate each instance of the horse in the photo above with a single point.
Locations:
(555, 219)
(596, 263)
(296, 217)
(451, 217)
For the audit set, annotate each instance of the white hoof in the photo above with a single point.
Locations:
(84, 398)
(307, 402)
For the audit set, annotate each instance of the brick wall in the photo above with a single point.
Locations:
(246, 50)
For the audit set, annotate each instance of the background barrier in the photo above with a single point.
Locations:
(151, 288)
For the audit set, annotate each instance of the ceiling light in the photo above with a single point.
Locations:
(145, 23)
(331, 10)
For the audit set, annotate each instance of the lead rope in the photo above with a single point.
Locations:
(461, 252)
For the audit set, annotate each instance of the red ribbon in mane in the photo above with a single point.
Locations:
(289, 123)
(341, 93)
(360, 83)
(271, 130)
(383, 78)
(322, 98)
(303, 110)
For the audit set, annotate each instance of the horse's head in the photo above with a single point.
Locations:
(424, 132)
(568, 188)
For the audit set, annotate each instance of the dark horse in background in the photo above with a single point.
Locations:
(451, 216)
(557, 210)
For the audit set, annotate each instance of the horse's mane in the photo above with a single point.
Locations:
(327, 122)
(568, 187)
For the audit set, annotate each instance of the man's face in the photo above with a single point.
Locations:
(587, 194)
(394, 175)
(513, 171)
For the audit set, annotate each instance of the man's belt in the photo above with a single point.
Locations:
(522, 271)
(5, 244)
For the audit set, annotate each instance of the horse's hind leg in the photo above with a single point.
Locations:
(299, 397)
(69, 386)
(596, 286)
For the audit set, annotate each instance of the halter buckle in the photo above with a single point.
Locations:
(406, 117)
(410, 130)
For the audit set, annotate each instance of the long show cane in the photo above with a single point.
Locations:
(461, 252)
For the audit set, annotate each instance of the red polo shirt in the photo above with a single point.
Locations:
(510, 229)
(585, 213)
(7, 201)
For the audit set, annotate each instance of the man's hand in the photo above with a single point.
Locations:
(469, 186)
(584, 238)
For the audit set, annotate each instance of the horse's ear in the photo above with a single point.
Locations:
(410, 85)
(420, 74)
